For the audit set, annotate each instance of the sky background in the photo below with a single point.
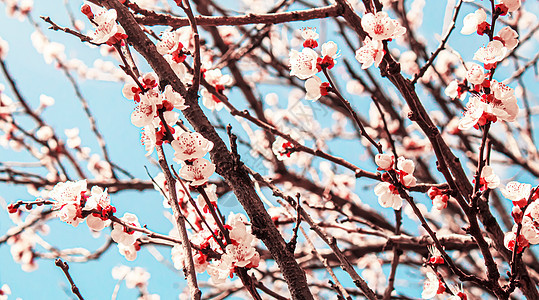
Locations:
(112, 112)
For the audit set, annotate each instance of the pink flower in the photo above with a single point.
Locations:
(381, 26)
(199, 172)
(492, 53)
(190, 145)
(508, 37)
(384, 161)
(475, 74)
(303, 64)
(371, 52)
(123, 235)
(472, 21)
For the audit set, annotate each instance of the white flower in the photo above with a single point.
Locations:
(475, 74)
(312, 87)
(190, 145)
(175, 98)
(169, 43)
(516, 191)
(137, 277)
(381, 26)
(198, 172)
(430, 286)
(505, 104)
(384, 161)
(330, 49)
(210, 101)
(511, 5)
(106, 26)
(491, 180)
(303, 64)
(309, 34)
(146, 110)
(474, 111)
(472, 21)
(451, 90)
(123, 235)
(45, 100)
(4, 292)
(129, 252)
(371, 52)
(387, 195)
(148, 138)
(509, 37)
(492, 53)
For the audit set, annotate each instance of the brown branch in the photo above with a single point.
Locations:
(65, 268)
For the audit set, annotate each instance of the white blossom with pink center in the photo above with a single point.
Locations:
(370, 53)
(504, 105)
(68, 197)
(388, 195)
(216, 78)
(475, 73)
(380, 26)
(516, 191)
(146, 110)
(430, 286)
(99, 200)
(221, 269)
(407, 166)
(137, 277)
(169, 43)
(309, 34)
(303, 64)
(491, 180)
(474, 111)
(472, 21)
(129, 252)
(106, 26)
(210, 101)
(174, 98)
(123, 235)
(330, 49)
(508, 37)
(198, 172)
(492, 53)
(242, 249)
(178, 258)
(4, 292)
(312, 88)
(384, 161)
(190, 145)
(511, 5)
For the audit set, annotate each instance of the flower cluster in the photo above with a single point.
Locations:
(525, 212)
(107, 30)
(387, 192)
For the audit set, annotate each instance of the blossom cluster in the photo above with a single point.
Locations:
(387, 192)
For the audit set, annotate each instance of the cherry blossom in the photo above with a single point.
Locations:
(4, 292)
(406, 169)
(439, 198)
(435, 255)
(107, 30)
(174, 98)
(198, 172)
(148, 138)
(488, 178)
(508, 37)
(315, 88)
(388, 196)
(123, 235)
(146, 110)
(516, 191)
(169, 43)
(68, 196)
(303, 64)
(384, 161)
(178, 257)
(474, 22)
(475, 74)
(310, 36)
(432, 286)
(372, 52)
(137, 277)
(128, 251)
(492, 53)
(190, 145)
(509, 241)
(210, 101)
(512, 5)
(98, 201)
(380, 26)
